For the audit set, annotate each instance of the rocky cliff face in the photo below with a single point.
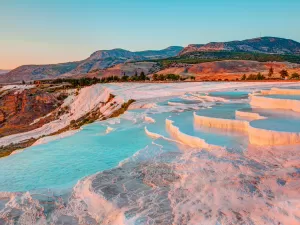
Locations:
(270, 45)
(98, 60)
(18, 110)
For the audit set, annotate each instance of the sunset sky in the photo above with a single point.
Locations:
(52, 31)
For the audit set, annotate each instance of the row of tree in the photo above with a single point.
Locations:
(283, 74)
(85, 81)
(258, 76)
(170, 77)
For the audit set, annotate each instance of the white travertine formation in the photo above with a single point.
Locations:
(48, 139)
(226, 124)
(156, 136)
(99, 208)
(149, 119)
(281, 91)
(152, 135)
(257, 136)
(274, 103)
(89, 98)
(249, 115)
(188, 140)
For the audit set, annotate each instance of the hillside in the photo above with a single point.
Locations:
(119, 61)
(127, 68)
(201, 57)
(3, 71)
(108, 58)
(229, 69)
(98, 60)
(37, 72)
(269, 45)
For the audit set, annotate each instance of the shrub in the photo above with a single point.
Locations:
(259, 76)
(271, 72)
(284, 73)
(295, 76)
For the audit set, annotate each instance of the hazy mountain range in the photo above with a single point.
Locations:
(98, 60)
(3, 71)
(107, 59)
(269, 45)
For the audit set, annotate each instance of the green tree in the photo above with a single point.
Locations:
(271, 72)
(155, 77)
(116, 78)
(252, 77)
(295, 76)
(124, 78)
(244, 77)
(284, 73)
(142, 76)
(259, 76)
(134, 77)
(161, 77)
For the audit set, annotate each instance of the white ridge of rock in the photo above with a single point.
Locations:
(89, 98)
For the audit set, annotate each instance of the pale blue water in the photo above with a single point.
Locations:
(224, 111)
(185, 122)
(61, 163)
(278, 124)
(230, 94)
(278, 113)
(236, 173)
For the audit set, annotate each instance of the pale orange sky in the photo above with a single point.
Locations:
(56, 31)
(17, 53)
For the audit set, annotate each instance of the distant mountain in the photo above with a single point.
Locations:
(3, 71)
(127, 68)
(103, 62)
(107, 58)
(269, 45)
(36, 72)
(165, 53)
(98, 60)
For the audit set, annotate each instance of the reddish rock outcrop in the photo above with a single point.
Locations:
(18, 110)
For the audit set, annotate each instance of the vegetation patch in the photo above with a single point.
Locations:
(123, 109)
(171, 77)
(7, 150)
(202, 57)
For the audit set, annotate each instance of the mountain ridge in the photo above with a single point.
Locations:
(100, 59)
(269, 45)
(3, 71)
